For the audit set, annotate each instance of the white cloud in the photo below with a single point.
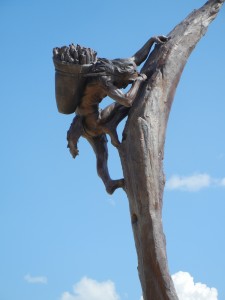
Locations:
(222, 182)
(189, 183)
(193, 183)
(36, 279)
(188, 290)
(89, 289)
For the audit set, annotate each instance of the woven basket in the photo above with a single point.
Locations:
(69, 85)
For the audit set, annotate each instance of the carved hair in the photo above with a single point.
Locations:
(116, 67)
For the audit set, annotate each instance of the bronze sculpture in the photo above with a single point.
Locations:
(142, 150)
(82, 81)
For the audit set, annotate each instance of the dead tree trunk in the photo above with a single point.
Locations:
(142, 149)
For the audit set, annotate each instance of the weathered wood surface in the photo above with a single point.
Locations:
(142, 149)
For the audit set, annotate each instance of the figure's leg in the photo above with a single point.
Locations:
(109, 111)
(99, 145)
(111, 116)
(73, 135)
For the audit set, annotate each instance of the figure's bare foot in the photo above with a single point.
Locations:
(114, 138)
(73, 149)
(111, 131)
(73, 134)
(113, 185)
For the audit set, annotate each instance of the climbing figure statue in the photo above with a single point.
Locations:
(82, 81)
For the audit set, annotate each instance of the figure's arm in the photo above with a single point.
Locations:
(128, 98)
(142, 54)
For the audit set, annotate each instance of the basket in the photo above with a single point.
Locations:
(69, 84)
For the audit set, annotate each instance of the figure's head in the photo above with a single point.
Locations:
(122, 71)
(125, 72)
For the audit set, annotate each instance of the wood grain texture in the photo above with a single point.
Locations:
(142, 149)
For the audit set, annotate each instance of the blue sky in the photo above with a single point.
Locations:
(62, 236)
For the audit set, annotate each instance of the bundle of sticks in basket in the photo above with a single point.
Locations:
(75, 54)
